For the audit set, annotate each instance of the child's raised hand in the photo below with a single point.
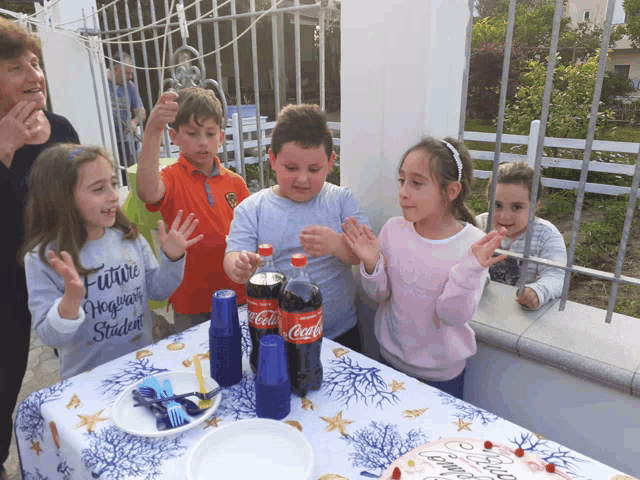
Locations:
(176, 241)
(244, 266)
(529, 298)
(363, 243)
(63, 265)
(74, 290)
(164, 112)
(319, 240)
(483, 249)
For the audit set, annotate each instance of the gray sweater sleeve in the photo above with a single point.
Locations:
(46, 289)
(549, 280)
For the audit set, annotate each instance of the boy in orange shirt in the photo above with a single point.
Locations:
(197, 183)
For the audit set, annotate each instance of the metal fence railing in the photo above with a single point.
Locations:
(173, 44)
(616, 278)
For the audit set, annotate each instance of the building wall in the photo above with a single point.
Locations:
(575, 10)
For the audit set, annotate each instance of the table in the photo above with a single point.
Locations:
(364, 416)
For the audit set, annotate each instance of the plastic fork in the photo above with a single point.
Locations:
(175, 410)
(151, 383)
(163, 422)
(203, 396)
(203, 403)
(150, 387)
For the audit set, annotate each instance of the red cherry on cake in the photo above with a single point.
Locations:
(396, 474)
(550, 468)
(519, 452)
(488, 444)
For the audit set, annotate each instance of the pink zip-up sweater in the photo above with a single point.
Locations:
(428, 291)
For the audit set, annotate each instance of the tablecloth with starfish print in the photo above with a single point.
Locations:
(364, 417)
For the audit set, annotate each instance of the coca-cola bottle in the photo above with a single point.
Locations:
(262, 301)
(300, 304)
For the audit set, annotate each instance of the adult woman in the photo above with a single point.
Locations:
(25, 129)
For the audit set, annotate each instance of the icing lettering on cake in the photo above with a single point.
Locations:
(470, 459)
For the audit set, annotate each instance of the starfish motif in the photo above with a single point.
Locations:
(395, 386)
(213, 422)
(35, 446)
(462, 425)
(337, 423)
(90, 420)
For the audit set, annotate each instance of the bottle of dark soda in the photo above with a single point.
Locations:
(262, 301)
(300, 304)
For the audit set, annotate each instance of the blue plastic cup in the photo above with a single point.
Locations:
(225, 339)
(224, 314)
(273, 388)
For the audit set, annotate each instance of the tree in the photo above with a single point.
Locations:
(632, 29)
(571, 98)
(531, 41)
(485, 74)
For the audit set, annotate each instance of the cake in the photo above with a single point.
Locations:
(469, 458)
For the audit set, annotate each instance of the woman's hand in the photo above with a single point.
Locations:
(16, 129)
(363, 243)
(176, 241)
(74, 290)
(483, 249)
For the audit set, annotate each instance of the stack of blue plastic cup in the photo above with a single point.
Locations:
(273, 388)
(225, 339)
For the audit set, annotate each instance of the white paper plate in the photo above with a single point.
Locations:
(252, 449)
(140, 421)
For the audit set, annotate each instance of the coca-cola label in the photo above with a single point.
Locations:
(301, 328)
(263, 313)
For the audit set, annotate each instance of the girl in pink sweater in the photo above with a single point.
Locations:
(427, 268)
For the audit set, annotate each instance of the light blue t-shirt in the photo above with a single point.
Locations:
(266, 218)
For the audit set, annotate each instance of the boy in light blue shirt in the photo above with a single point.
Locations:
(302, 213)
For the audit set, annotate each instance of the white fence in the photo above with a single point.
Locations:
(567, 143)
(250, 141)
(250, 145)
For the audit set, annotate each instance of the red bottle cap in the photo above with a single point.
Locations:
(265, 249)
(550, 467)
(488, 444)
(396, 474)
(519, 452)
(299, 260)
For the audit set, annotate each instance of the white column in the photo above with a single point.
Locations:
(402, 68)
(68, 72)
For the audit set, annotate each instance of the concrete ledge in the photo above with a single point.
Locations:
(576, 340)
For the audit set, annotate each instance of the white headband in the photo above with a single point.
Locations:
(456, 157)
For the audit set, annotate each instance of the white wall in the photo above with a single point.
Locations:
(68, 72)
(402, 67)
(588, 417)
